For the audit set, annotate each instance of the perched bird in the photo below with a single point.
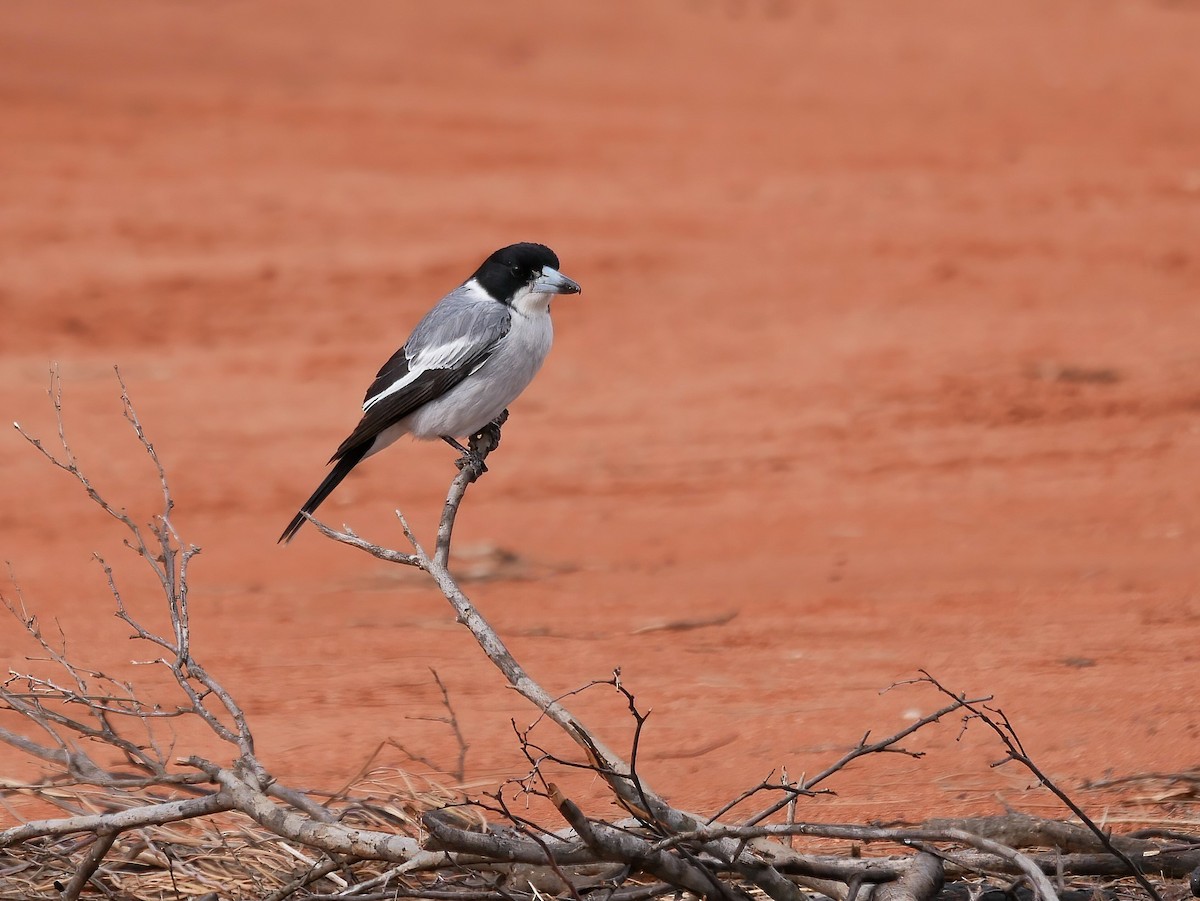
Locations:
(464, 363)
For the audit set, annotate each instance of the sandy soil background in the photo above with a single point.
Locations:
(888, 357)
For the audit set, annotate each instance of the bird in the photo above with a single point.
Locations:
(470, 357)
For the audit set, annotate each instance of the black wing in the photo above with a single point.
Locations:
(424, 387)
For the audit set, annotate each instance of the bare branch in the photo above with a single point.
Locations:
(458, 774)
(613, 844)
(906, 837)
(68, 464)
(120, 821)
(1170, 863)
(520, 861)
(349, 537)
(105, 837)
(506, 848)
(922, 881)
(329, 837)
(471, 467)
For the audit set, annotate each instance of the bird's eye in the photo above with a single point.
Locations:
(517, 273)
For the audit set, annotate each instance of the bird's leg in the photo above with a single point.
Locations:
(469, 461)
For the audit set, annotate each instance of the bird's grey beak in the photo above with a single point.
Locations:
(551, 281)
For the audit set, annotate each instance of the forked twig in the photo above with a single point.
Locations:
(862, 749)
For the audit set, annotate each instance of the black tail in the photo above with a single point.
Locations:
(342, 469)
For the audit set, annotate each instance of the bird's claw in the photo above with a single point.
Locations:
(473, 463)
(481, 444)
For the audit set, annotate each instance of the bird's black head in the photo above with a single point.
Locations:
(523, 267)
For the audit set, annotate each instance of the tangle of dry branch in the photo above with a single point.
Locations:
(360, 849)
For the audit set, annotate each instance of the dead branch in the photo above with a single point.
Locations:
(744, 857)
(923, 879)
(1018, 830)
(675, 849)
(169, 562)
(1077, 850)
(906, 837)
(133, 818)
(329, 837)
(348, 536)
(747, 853)
(97, 702)
(105, 836)
(475, 847)
(624, 847)
(1168, 863)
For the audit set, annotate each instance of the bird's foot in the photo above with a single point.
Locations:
(481, 444)
(471, 463)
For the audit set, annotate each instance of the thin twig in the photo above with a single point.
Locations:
(1008, 736)
(862, 749)
(349, 537)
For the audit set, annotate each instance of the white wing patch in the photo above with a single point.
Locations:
(444, 356)
(391, 389)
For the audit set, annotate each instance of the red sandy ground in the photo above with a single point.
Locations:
(888, 357)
